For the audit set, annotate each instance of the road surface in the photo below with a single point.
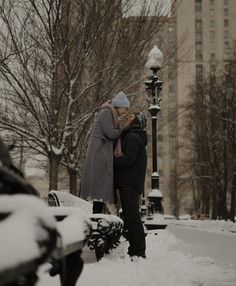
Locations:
(221, 247)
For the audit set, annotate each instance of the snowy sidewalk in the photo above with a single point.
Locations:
(164, 266)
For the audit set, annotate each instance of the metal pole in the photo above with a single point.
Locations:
(154, 87)
(155, 177)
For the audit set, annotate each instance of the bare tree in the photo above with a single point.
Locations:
(117, 57)
(59, 61)
(212, 130)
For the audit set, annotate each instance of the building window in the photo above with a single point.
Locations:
(212, 12)
(173, 151)
(198, 1)
(226, 57)
(171, 93)
(212, 35)
(212, 23)
(199, 71)
(172, 127)
(212, 69)
(199, 8)
(172, 140)
(172, 104)
(198, 14)
(226, 23)
(228, 68)
(160, 137)
(212, 56)
(171, 29)
(212, 45)
(160, 171)
(226, 45)
(171, 115)
(198, 55)
(198, 37)
(171, 87)
(226, 12)
(212, 2)
(171, 83)
(159, 151)
(226, 2)
(199, 24)
(171, 39)
(226, 34)
(199, 46)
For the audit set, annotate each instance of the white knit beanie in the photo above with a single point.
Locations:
(120, 100)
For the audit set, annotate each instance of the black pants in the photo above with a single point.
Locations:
(132, 220)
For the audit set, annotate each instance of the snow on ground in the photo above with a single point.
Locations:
(163, 266)
(208, 225)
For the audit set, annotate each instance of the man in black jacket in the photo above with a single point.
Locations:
(130, 169)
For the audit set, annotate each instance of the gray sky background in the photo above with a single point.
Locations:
(165, 4)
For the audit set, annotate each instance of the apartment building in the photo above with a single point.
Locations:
(205, 35)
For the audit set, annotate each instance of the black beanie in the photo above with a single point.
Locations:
(140, 120)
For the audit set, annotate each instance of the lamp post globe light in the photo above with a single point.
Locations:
(153, 87)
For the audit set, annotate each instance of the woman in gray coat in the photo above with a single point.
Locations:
(97, 179)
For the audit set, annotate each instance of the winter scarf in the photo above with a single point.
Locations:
(117, 150)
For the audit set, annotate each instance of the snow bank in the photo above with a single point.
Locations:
(163, 266)
(208, 225)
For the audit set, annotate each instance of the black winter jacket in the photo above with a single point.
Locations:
(130, 169)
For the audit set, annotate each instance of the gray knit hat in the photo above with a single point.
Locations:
(120, 100)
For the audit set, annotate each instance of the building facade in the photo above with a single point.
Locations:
(204, 37)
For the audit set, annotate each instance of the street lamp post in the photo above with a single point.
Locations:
(153, 87)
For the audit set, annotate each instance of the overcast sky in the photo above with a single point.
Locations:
(137, 4)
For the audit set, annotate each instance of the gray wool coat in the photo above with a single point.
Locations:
(97, 178)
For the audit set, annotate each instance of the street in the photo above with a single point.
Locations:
(221, 247)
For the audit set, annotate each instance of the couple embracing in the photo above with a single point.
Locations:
(116, 159)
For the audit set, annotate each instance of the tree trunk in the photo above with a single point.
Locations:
(214, 204)
(73, 182)
(225, 182)
(233, 186)
(54, 161)
(233, 198)
(204, 199)
(196, 198)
